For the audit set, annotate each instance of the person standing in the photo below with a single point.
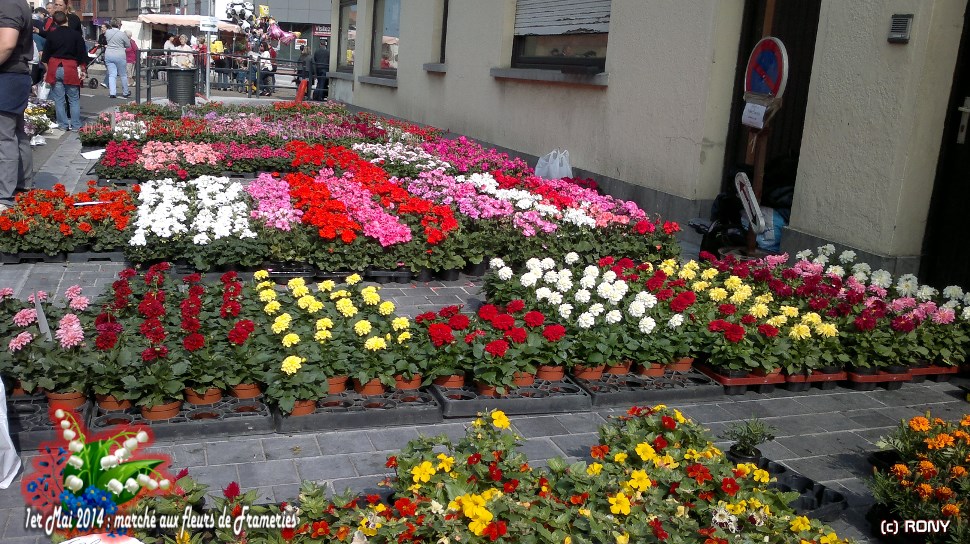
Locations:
(16, 50)
(301, 66)
(66, 57)
(131, 58)
(116, 59)
(321, 65)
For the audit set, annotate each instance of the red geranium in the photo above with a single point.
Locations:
(554, 333)
(459, 322)
(497, 348)
(534, 318)
(503, 322)
(488, 312)
(194, 341)
(517, 335)
(440, 334)
(515, 306)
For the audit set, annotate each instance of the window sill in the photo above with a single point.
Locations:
(435, 67)
(349, 76)
(550, 76)
(381, 81)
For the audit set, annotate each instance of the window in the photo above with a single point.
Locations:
(444, 31)
(566, 36)
(347, 35)
(387, 36)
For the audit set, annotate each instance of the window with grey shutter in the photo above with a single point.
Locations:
(566, 35)
(553, 17)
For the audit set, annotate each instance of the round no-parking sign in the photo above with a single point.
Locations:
(767, 71)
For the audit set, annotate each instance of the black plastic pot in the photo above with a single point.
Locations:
(476, 270)
(448, 275)
(797, 387)
(738, 458)
(423, 276)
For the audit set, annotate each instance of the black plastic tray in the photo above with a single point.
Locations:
(543, 397)
(228, 417)
(350, 410)
(30, 423)
(627, 389)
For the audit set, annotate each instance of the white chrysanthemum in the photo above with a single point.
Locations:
(804, 255)
(952, 304)
(548, 263)
(965, 314)
(566, 273)
(647, 324)
(528, 279)
(565, 310)
(496, 263)
(861, 267)
(907, 285)
(582, 296)
(587, 282)
(591, 271)
(860, 276)
(554, 297)
(835, 269)
(609, 276)
(821, 259)
(543, 293)
(572, 257)
(505, 273)
(847, 256)
(647, 298)
(564, 284)
(637, 309)
(550, 277)
(675, 321)
(881, 278)
(597, 309)
(953, 292)
(586, 320)
(827, 250)
(613, 317)
(925, 292)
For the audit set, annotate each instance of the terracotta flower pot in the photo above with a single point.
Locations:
(68, 401)
(652, 370)
(211, 395)
(619, 369)
(681, 365)
(110, 403)
(407, 385)
(486, 390)
(337, 384)
(19, 391)
(370, 387)
(304, 407)
(246, 391)
(523, 379)
(764, 373)
(551, 373)
(161, 411)
(588, 373)
(453, 381)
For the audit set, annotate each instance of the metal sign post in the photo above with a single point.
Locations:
(208, 25)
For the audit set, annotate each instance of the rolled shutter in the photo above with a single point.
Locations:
(554, 17)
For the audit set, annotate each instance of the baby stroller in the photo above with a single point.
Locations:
(96, 54)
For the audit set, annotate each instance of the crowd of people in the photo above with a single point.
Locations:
(249, 68)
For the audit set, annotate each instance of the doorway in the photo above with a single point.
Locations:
(946, 249)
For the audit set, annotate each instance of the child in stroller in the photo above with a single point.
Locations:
(96, 54)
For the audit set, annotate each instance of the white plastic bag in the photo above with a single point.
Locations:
(554, 165)
(43, 89)
(9, 460)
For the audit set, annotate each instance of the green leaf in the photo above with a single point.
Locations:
(122, 472)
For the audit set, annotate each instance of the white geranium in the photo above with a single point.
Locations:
(637, 309)
(401, 153)
(675, 321)
(548, 263)
(572, 257)
(582, 296)
(555, 298)
(564, 284)
(586, 320)
(613, 317)
(565, 310)
(596, 309)
(533, 264)
(604, 290)
(543, 293)
(881, 278)
(529, 279)
(906, 285)
(847, 256)
(505, 273)
(550, 277)
(647, 324)
(496, 263)
(953, 292)
(648, 299)
(609, 276)
(587, 282)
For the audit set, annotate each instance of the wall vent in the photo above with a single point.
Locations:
(900, 28)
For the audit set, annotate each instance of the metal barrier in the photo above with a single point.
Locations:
(225, 74)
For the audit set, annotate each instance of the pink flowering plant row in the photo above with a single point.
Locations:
(184, 160)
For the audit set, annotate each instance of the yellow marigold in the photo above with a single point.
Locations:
(260, 275)
(717, 294)
(324, 323)
(371, 298)
(445, 463)
(264, 285)
(733, 282)
(296, 282)
(323, 335)
(919, 424)
(272, 307)
(620, 457)
(281, 324)
(291, 340)
(826, 330)
(362, 327)
(304, 301)
(500, 420)
(639, 480)
(645, 451)
(375, 343)
(742, 294)
(300, 291)
(403, 337)
(687, 273)
(811, 318)
(315, 306)
(800, 524)
(346, 308)
(709, 274)
(267, 295)
(343, 293)
(699, 286)
(950, 510)
(759, 310)
(620, 504)
(800, 331)
(291, 364)
(353, 279)
(400, 323)
(764, 298)
(386, 308)
(594, 469)
(422, 472)
(789, 311)
(326, 285)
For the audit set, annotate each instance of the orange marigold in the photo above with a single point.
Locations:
(924, 491)
(899, 470)
(939, 442)
(938, 421)
(927, 470)
(951, 510)
(965, 422)
(943, 493)
(919, 424)
(962, 436)
(957, 472)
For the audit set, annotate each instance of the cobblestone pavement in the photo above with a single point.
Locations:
(824, 435)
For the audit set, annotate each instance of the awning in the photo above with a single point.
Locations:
(184, 20)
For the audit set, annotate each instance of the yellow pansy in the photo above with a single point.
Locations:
(594, 469)
(620, 504)
(354, 279)
(691, 455)
(326, 285)
(667, 461)
(830, 538)
(423, 472)
(323, 335)
(375, 343)
(679, 416)
(682, 511)
(620, 457)
(761, 476)
(623, 539)
(789, 311)
(291, 340)
(403, 337)
(735, 509)
(445, 462)
(362, 327)
(386, 308)
(639, 480)
(500, 420)
(717, 294)
(584, 512)
(291, 364)
(260, 275)
(800, 524)
(490, 493)
(400, 323)
(272, 307)
(267, 295)
(826, 330)
(759, 310)
(800, 332)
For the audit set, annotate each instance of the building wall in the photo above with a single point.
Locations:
(873, 125)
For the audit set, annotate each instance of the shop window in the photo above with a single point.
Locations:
(571, 37)
(347, 35)
(387, 37)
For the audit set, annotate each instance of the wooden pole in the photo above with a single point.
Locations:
(761, 144)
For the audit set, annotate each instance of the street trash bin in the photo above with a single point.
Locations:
(181, 86)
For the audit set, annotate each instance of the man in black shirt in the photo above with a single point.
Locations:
(16, 51)
(321, 65)
(73, 21)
